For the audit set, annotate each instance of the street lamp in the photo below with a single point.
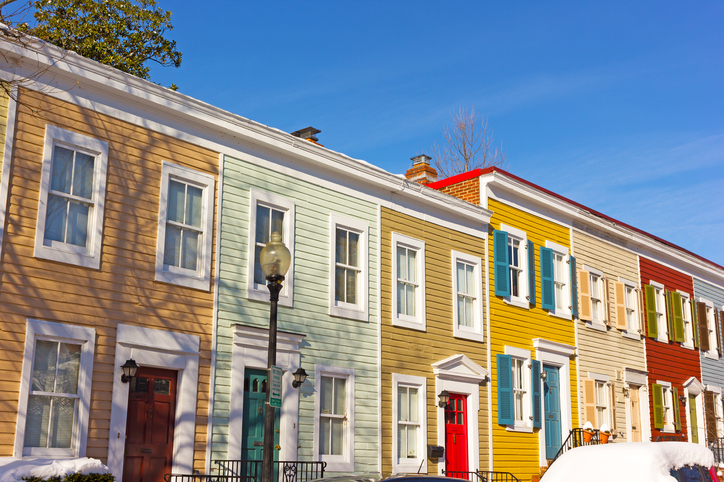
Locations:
(274, 259)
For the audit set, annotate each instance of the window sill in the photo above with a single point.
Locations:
(631, 336)
(714, 356)
(61, 255)
(468, 335)
(164, 276)
(351, 313)
(563, 315)
(662, 340)
(259, 295)
(333, 466)
(596, 326)
(519, 428)
(408, 467)
(418, 326)
(517, 302)
(688, 347)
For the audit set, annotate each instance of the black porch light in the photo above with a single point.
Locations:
(443, 398)
(299, 377)
(129, 370)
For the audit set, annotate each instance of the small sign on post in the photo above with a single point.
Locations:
(275, 387)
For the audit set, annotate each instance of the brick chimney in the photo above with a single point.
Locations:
(308, 133)
(421, 170)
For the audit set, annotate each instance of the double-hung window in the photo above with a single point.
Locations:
(632, 314)
(348, 274)
(712, 331)
(667, 416)
(54, 390)
(408, 302)
(512, 255)
(597, 297)
(626, 306)
(467, 296)
(602, 411)
(597, 400)
(686, 318)
(269, 213)
(72, 197)
(555, 279)
(409, 432)
(656, 311)
(519, 390)
(334, 417)
(185, 224)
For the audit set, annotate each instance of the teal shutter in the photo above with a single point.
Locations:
(505, 390)
(574, 287)
(547, 281)
(531, 272)
(535, 385)
(501, 263)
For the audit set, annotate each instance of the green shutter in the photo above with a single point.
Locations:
(574, 287)
(669, 317)
(679, 334)
(658, 398)
(501, 263)
(694, 322)
(650, 295)
(547, 281)
(531, 272)
(535, 385)
(505, 390)
(677, 413)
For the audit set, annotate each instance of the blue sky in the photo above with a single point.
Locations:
(617, 105)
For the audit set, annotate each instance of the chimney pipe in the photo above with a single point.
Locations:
(421, 170)
(308, 133)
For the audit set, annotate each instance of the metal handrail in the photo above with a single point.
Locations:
(292, 470)
(669, 438)
(481, 476)
(576, 439)
(206, 478)
(717, 447)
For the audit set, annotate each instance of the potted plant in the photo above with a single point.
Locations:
(587, 432)
(605, 433)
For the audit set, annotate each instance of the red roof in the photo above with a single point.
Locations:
(480, 172)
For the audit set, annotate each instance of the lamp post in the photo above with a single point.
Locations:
(274, 259)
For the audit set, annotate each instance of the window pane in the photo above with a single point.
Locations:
(341, 246)
(337, 436)
(402, 403)
(172, 246)
(412, 266)
(468, 312)
(339, 393)
(324, 428)
(193, 206)
(36, 422)
(68, 369)
(277, 225)
(410, 298)
(77, 224)
(46, 356)
(351, 286)
(62, 170)
(176, 201)
(461, 310)
(262, 225)
(470, 279)
(400, 297)
(55, 218)
(61, 431)
(353, 249)
(401, 441)
(258, 273)
(461, 277)
(83, 175)
(401, 263)
(413, 405)
(190, 249)
(339, 289)
(326, 395)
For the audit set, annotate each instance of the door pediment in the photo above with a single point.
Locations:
(461, 368)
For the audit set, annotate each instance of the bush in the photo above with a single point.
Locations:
(74, 478)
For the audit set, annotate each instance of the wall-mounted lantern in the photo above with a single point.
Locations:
(129, 370)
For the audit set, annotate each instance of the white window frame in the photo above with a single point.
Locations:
(90, 255)
(356, 311)
(417, 322)
(344, 462)
(408, 465)
(687, 319)
(667, 404)
(600, 379)
(561, 251)
(523, 299)
(201, 277)
(633, 328)
(661, 321)
(598, 316)
(713, 352)
(526, 422)
(46, 330)
(476, 331)
(260, 292)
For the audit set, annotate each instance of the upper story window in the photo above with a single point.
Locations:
(72, 197)
(555, 279)
(711, 330)
(409, 433)
(656, 311)
(185, 225)
(348, 275)
(467, 291)
(519, 390)
(632, 309)
(409, 280)
(594, 297)
(512, 254)
(597, 297)
(686, 319)
(269, 213)
(626, 306)
(54, 390)
(334, 417)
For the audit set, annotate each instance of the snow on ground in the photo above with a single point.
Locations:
(623, 462)
(12, 469)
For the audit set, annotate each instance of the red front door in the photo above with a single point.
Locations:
(149, 430)
(456, 436)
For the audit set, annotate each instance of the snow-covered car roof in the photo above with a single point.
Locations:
(622, 462)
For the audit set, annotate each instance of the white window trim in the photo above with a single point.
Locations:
(600, 324)
(90, 256)
(359, 310)
(523, 300)
(688, 334)
(345, 462)
(261, 292)
(527, 424)
(601, 378)
(693, 387)
(666, 387)
(662, 321)
(47, 330)
(561, 250)
(199, 279)
(476, 332)
(417, 322)
(713, 352)
(628, 333)
(406, 466)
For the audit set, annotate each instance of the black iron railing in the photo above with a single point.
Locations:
(205, 478)
(291, 471)
(578, 438)
(481, 476)
(669, 438)
(717, 447)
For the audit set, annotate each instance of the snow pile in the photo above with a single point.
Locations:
(13, 469)
(640, 462)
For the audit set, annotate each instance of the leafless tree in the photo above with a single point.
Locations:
(468, 145)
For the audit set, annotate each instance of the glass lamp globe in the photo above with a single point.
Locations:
(275, 257)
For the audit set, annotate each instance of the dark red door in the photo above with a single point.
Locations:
(149, 430)
(456, 436)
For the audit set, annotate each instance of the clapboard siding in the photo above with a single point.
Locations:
(669, 361)
(123, 290)
(609, 352)
(712, 371)
(329, 340)
(411, 352)
(517, 327)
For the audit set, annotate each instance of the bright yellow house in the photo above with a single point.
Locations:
(532, 335)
